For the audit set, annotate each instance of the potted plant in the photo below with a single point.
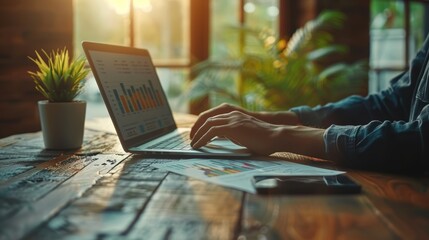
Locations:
(60, 79)
(277, 74)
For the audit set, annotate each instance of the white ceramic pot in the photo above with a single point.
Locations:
(62, 124)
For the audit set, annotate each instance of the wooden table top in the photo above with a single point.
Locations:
(101, 192)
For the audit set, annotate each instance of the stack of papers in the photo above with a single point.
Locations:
(238, 173)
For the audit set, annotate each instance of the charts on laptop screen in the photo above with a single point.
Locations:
(134, 92)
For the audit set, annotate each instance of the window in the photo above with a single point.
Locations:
(164, 28)
(398, 29)
(161, 26)
(227, 41)
(226, 14)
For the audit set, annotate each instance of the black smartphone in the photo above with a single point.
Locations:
(337, 184)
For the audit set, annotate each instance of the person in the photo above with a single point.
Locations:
(388, 130)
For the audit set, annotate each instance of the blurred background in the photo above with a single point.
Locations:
(260, 54)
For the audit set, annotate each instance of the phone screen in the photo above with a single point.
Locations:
(337, 184)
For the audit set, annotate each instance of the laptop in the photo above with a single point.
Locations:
(138, 107)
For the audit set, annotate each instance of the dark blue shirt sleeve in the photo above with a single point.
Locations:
(385, 145)
(380, 130)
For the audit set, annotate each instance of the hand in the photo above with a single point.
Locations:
(282, 118)
(221, 109)
(250, 130)
(258, 136)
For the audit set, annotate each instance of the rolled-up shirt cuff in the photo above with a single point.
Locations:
(340, 143)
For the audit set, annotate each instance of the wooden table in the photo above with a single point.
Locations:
(101, 192)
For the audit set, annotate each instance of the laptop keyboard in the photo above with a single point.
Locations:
(178, 142)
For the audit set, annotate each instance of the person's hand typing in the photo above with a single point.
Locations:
(240, 128)
(280, 118)
(221, 109)
(261, 132)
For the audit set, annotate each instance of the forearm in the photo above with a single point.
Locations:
(300, 140)
(280, 118)
(391, 104)
(349, 111)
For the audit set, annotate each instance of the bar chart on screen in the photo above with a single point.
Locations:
(132, 98)
(134, 92)
(133, 86)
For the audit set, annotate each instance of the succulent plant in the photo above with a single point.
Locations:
(59, 78)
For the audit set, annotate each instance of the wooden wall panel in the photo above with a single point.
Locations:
(26, 26)
(354, 34)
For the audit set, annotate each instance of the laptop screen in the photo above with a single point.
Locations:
(132, 91)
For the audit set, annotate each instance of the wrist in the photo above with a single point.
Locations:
(300, 140)
(280, 118)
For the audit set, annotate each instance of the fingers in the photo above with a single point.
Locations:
(219, 130)
(202, 118)
(246, 130)
(211, 122)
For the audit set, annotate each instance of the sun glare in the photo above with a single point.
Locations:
(121, 7)
(144, 5)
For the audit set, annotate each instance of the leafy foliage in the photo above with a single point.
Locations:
(282, 74)
(59, 78)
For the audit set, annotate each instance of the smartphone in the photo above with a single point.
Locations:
(337, 184)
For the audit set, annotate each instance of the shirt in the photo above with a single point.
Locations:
(388, 130)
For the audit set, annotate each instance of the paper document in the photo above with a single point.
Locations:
(237, 173)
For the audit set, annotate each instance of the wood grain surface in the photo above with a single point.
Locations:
(101, 192)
